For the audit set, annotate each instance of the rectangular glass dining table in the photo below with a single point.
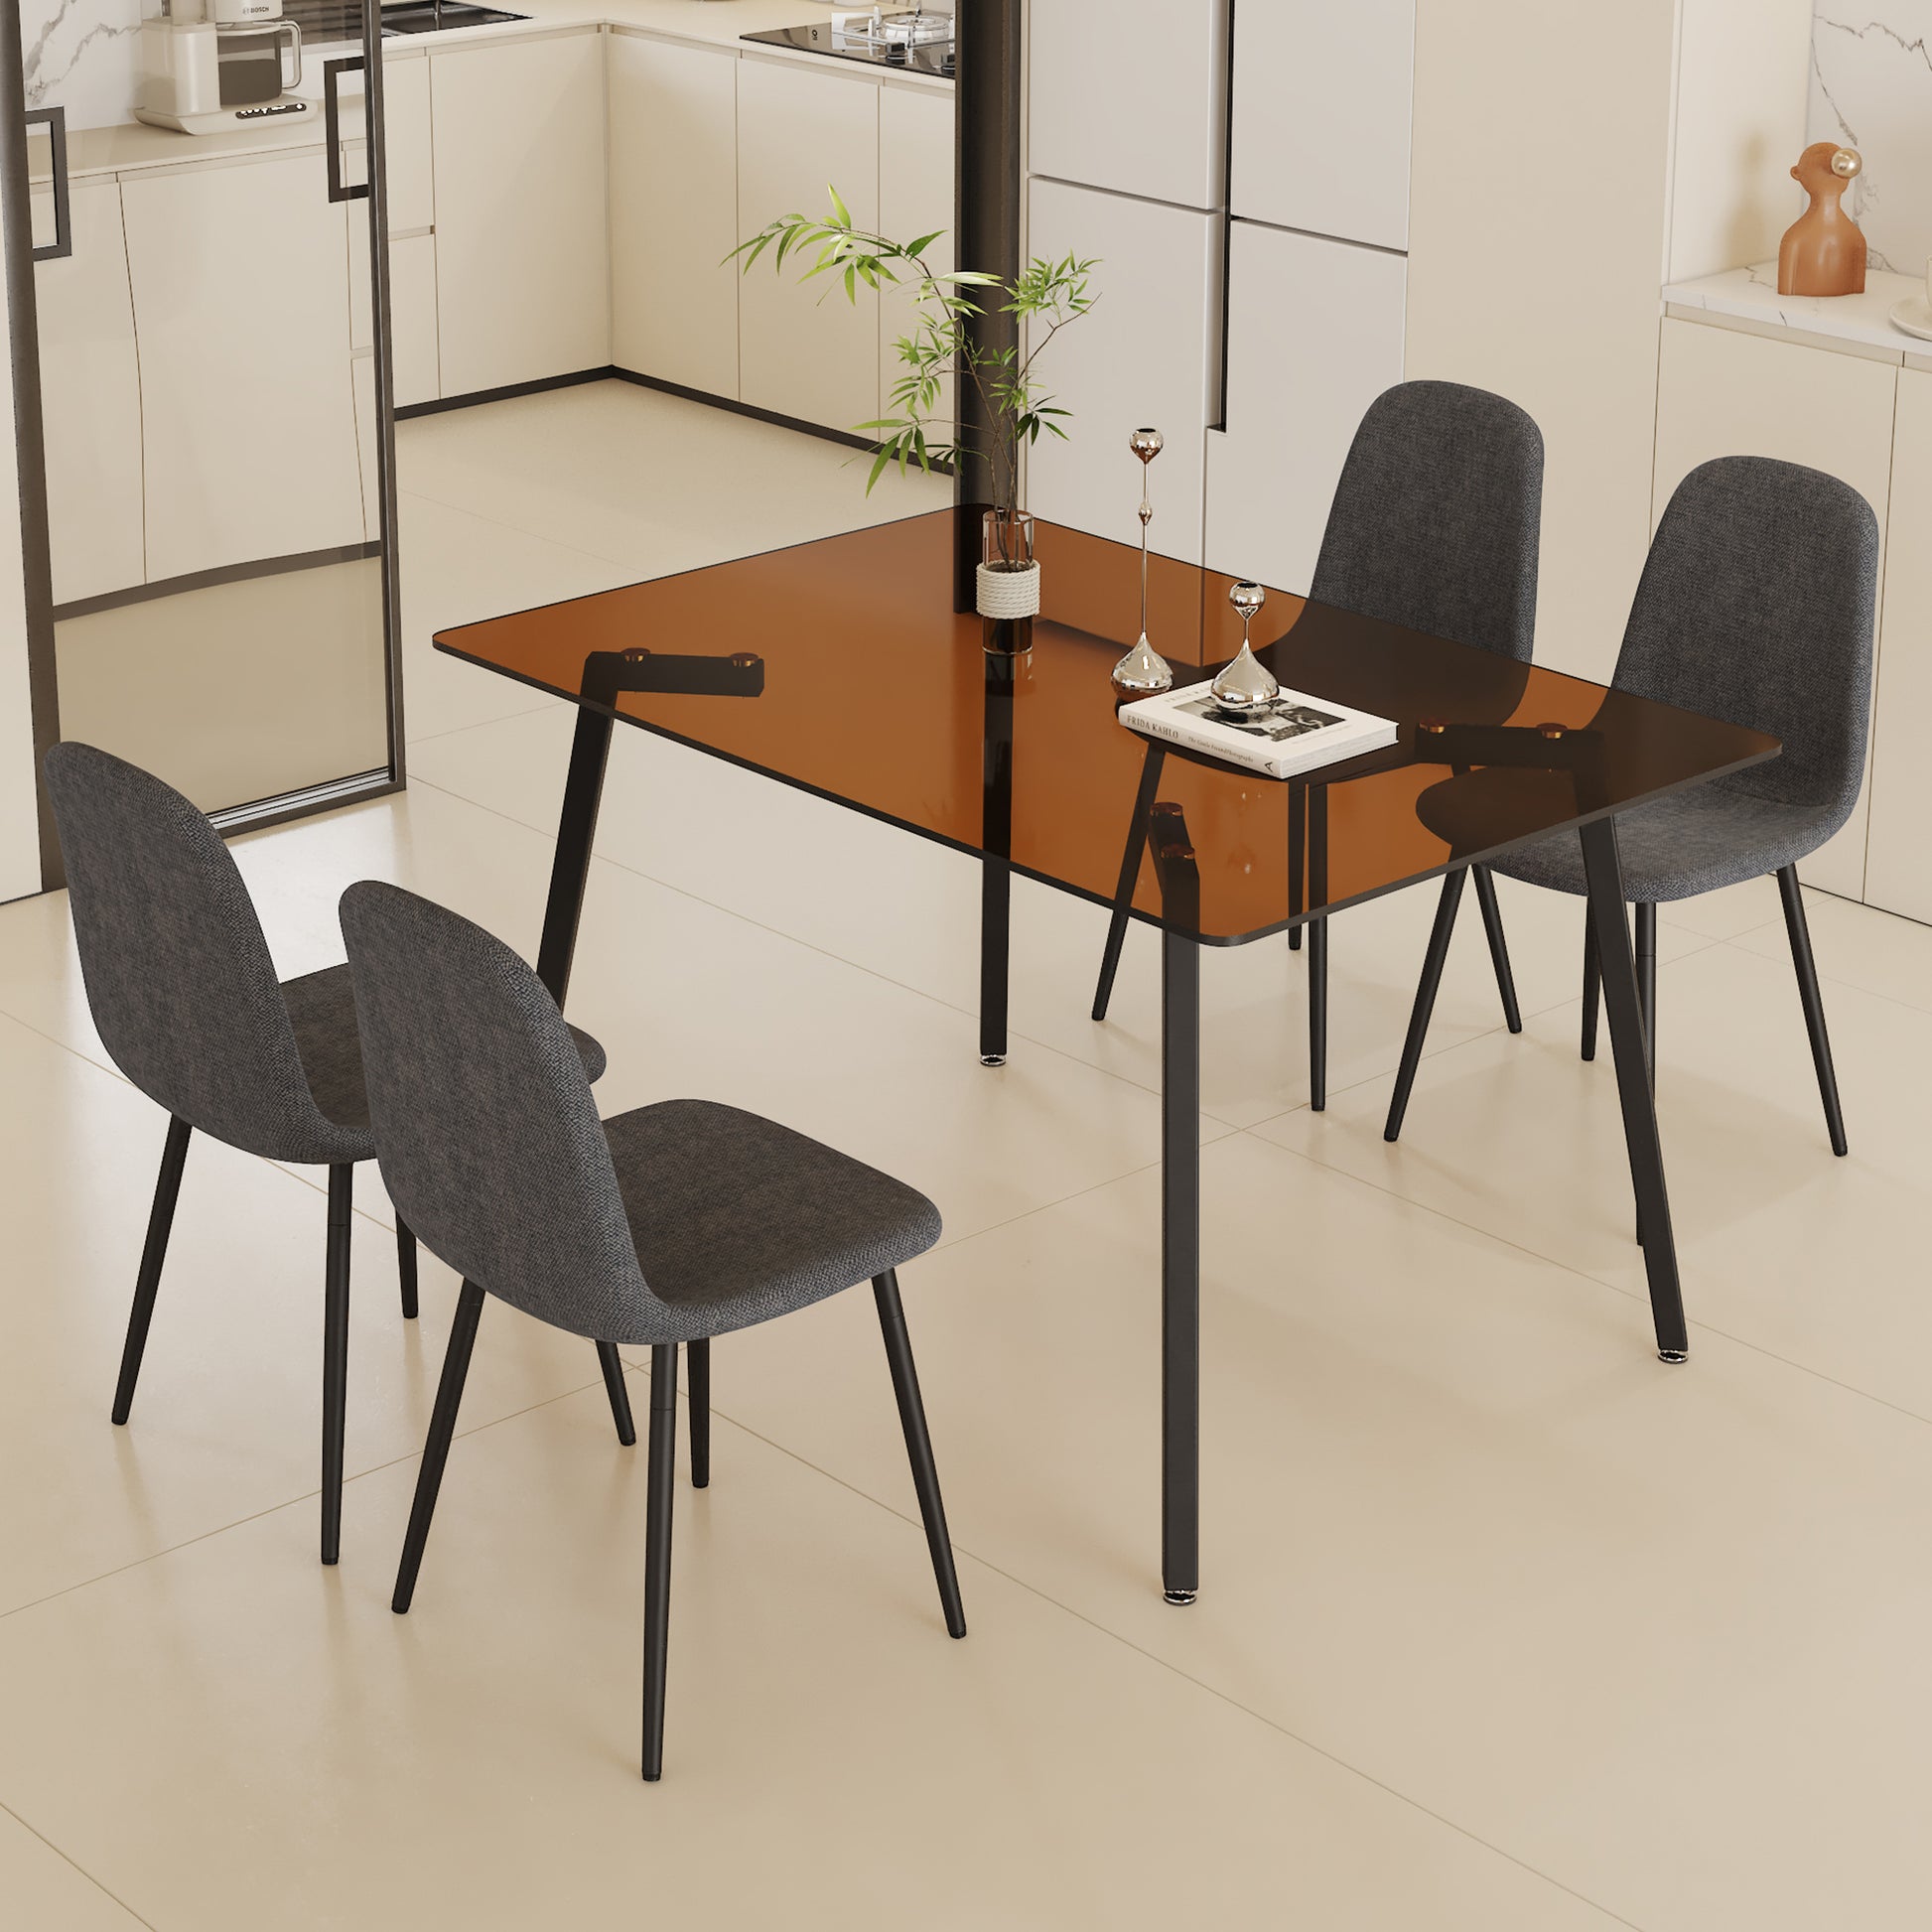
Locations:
(855, 668)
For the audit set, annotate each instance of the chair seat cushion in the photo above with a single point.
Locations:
(1691, 842)
(738, 1219)
(322, 1008)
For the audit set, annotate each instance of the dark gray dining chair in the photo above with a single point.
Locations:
(1757, 605)
(1435, 526)
(669, 1224)
(185, 996)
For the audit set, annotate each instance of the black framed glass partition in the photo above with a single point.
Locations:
(209, 341)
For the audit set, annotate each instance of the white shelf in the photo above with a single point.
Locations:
(1857, 325)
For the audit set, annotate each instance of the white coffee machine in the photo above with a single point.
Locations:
(210, 66)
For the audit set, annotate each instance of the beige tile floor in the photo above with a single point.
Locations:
(1504, 1625)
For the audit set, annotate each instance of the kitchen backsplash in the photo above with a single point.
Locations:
(82, 54)
(1872, 88)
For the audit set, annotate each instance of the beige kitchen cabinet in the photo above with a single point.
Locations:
(523, 246)
(406, 122)
(806, 351)
(673, 294)
(412, 310)
(1722, 392)
(916, 197)
(239, 279)
(1314, 336)
(1898, 853)
(91, 399)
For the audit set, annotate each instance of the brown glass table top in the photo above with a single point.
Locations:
(876, 695)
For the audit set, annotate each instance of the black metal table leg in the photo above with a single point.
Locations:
(1617, 967)
(996, 868)
(1317, 949)
(570, 871)
(1180, 877)
(1298, 843)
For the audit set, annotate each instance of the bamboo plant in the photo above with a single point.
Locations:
(925, 429)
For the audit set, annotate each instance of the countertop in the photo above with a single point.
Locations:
(709, 23)
(1857, 325)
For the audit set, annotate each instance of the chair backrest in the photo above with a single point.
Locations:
(1435, 519)
(488, 1140)
(1757, 605)
(179, 976)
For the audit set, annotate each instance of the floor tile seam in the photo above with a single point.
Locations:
(287, 1502)
(1640, 1295)
(807, 945)
(1044, 1595)
(518, 529)
(68, 1859)
(541, 701)
(1830, 979)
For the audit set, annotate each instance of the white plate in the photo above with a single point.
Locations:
(1914, 316)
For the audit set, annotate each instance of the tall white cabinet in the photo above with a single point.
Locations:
(1249, 202)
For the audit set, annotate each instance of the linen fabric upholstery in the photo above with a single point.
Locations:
(1758, 606)
(322, 1007)
(179, 979)
(177, 974)
(1436, 520)
(681, 1220)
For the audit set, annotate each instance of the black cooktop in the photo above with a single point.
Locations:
(848, 40)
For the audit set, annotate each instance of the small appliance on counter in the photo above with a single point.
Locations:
(211, 66)
(919, 40)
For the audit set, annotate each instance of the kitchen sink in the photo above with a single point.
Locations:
(439, 16)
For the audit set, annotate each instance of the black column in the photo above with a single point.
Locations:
(986, 192)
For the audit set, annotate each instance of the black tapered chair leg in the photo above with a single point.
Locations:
(1130, 870)
(1317, 1015)
(1426, 989)
(1593, 993)
(147, 1283)
(612, 1364)
(335, 1357)
(1298, 843)
(661, 1482)
(1643, 946)
(1493, 925)
(436, 1450)
(918, 1446)
(697, 1368)
(406, 1268)
(1798, 932)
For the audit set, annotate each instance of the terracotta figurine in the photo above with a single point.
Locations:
(1822, 251)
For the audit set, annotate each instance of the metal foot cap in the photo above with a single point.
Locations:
(993, 1059)
(1179, 1596)
(1673, 1354)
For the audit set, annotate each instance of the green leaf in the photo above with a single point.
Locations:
(838, 209)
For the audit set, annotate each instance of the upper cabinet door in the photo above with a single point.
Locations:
(91, 398)
(1130, 96)
(522, 245)
(806, 351)
(1322, 93)
(241, 285)
(674, 295)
